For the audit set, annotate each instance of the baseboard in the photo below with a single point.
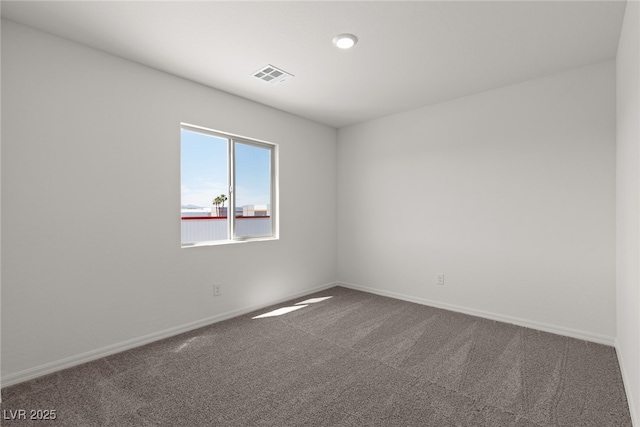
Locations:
(558, 330)
(71, 361)
(48, 368)
(635, 421)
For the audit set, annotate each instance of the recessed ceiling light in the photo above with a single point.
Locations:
(345, 41)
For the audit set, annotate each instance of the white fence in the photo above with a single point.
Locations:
(208, 229)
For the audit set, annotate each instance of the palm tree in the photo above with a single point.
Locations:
(216, 203)
(222, 198)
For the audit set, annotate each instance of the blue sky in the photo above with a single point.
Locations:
(204, 171)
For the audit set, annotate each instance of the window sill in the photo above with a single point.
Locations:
(227, 242)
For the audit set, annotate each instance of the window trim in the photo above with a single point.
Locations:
(232, 139)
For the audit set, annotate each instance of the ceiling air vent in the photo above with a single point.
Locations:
(272, 75)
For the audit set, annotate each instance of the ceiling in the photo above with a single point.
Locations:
(410, 54)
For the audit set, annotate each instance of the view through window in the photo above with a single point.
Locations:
(227, 187)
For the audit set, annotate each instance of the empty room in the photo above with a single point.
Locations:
(323, 213)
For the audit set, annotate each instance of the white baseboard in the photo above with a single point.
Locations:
(58, 365)
(78, 359)
(558, 330)
(633, 405)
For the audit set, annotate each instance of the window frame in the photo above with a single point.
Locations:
(232, 139)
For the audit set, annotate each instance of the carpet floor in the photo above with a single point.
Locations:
(355, 359)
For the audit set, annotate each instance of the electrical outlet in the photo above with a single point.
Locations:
(440, 279)
(217, 289)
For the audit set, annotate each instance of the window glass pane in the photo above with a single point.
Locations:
(252, 190)
(204, 187)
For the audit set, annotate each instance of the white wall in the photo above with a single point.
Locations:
(0, 213)
(510, 193)
(87, 140)
(628, 205)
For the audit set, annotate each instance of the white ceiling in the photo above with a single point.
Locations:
(410, 54)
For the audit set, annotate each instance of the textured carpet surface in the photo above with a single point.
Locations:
(355, 359)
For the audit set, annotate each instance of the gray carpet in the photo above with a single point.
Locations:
(355, 359)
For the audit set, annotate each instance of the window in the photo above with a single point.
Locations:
(227, 187)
